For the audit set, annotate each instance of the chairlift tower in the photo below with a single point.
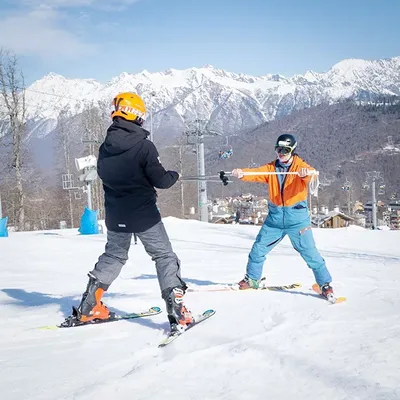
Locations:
(347, 187)
(372, 177)
(200, 131)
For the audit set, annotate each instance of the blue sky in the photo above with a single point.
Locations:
(101, 38)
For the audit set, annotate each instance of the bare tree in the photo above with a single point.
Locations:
(13, 98)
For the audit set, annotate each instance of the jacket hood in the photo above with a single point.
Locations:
(122, 135)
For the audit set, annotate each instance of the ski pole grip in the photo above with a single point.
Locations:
(223, 178)
(311, 172)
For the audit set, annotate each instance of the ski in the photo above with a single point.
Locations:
(332, 300)
(173, 335)
(282, 287)
(70, 322)
(235, 287)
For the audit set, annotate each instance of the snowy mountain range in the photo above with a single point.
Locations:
(231, 102)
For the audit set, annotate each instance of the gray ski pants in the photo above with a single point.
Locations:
(157, 245)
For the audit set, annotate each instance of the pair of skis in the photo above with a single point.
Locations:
(69, 323)
(235, 287)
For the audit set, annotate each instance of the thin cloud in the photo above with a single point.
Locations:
(37, 33)
(100, 4)
(38, 27)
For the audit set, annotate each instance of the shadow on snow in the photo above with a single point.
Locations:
(198, 282)
(26, 299)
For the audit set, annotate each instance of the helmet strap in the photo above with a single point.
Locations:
(139, 121)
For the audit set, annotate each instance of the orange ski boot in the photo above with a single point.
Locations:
(91, 306)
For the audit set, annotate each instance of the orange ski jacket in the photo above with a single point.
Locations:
(287, 205)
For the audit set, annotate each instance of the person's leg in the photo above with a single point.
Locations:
(114, 257)
(303, 242)
(106, 270)
(266, 240)
(156, 243)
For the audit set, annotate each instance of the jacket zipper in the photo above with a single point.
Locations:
(282, 198)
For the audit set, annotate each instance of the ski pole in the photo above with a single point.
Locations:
(198, 177)
(208, 178)
(311, 172)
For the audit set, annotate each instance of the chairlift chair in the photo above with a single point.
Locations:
(225, 154)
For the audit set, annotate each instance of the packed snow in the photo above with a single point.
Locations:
(259, 344)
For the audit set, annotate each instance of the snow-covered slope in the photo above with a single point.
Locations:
(259, 344)
(231, 102)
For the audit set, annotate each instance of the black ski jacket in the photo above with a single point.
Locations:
(130, 169)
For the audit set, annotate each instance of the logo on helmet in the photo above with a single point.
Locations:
(131, 110)
(284, 143)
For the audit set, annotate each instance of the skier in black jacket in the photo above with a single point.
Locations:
(130, 169)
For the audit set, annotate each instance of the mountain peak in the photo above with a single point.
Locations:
(351, 64)
(53, 75)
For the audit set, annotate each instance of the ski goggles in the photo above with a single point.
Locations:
(283, 149)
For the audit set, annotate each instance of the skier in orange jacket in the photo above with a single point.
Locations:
(288, 214)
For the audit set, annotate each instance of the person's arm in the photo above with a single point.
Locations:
(153, 169)
(306, 171)
(238, 173)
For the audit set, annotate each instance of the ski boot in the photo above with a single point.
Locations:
(327, 292)
(91, 309)
(248, 283)
(179, 316)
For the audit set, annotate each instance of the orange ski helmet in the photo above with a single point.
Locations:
(130, 106)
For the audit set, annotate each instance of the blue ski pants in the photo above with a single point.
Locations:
(302, 241)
